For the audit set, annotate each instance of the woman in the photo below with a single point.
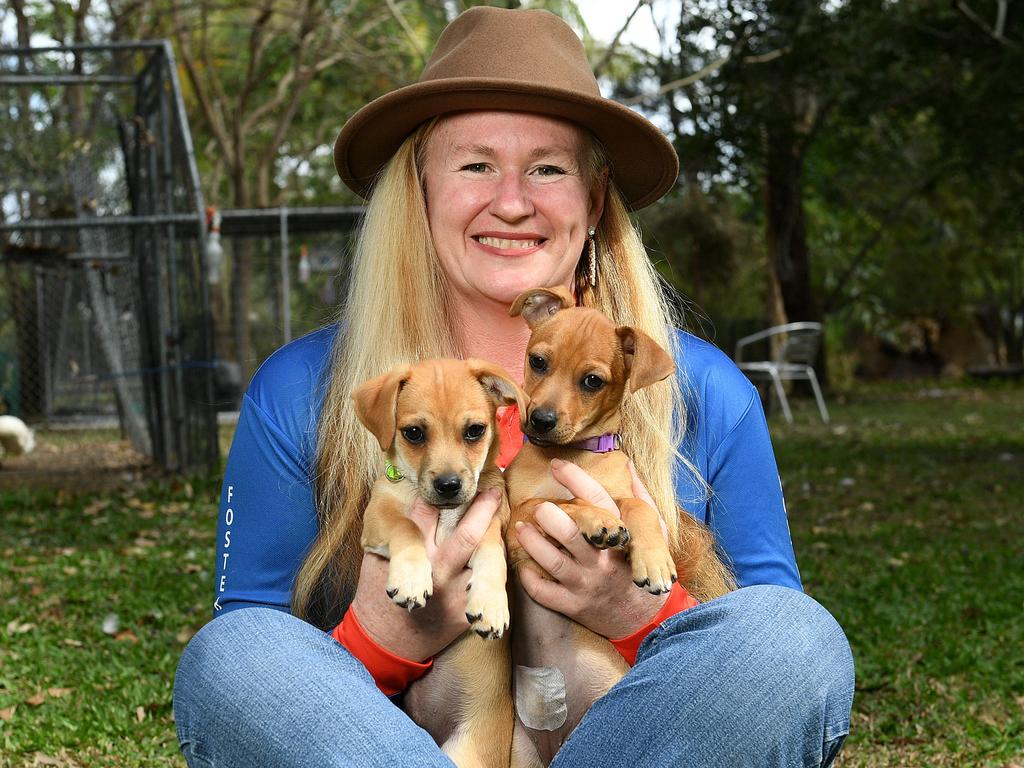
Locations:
(497, 172)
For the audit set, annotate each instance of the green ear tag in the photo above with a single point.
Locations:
(391, 472)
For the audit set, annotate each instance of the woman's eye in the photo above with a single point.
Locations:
(474, 167)
(550, 170)
(474, 432)
(414, 435)
(592, 382)
(538, 364)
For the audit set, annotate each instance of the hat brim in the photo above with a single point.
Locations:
(644, 163)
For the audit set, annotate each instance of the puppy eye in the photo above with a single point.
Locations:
(474, 432)
(538, 364)
(414, 435)
(592, 382)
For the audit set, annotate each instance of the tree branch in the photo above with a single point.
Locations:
(409, 31)
(714, 66)
(610, 50)
(996, 32)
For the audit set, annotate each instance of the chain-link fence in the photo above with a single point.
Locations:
(281, 276)
(104, 310)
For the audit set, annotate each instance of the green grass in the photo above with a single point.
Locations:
(68, 690)
(907, 519)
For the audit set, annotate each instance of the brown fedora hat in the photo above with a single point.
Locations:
(517, 60)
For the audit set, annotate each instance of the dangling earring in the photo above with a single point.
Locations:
(592, 271)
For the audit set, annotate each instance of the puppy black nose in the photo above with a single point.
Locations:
(543, 420)
(447, 486)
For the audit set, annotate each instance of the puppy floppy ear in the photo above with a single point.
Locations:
(497, 383)
(376, 404)
(538, 304)
(646, 361)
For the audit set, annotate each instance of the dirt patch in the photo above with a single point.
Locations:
(76, 461)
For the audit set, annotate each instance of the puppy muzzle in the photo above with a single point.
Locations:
(445, 490)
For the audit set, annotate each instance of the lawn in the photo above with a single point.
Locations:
(907, 519)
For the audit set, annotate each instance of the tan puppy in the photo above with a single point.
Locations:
(434, 421)
(580, 367)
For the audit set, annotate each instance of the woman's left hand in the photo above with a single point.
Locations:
(592, 587)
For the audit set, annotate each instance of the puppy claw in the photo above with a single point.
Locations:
(410, 582)
(653, 569)
(487, 610)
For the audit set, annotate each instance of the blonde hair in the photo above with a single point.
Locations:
(397, 311)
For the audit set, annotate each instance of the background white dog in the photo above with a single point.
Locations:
(15, 436)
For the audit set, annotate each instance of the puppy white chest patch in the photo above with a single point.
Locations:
(540, 697)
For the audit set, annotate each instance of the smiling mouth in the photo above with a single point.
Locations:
(507, 245)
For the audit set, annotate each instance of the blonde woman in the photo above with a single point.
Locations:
(499, 171)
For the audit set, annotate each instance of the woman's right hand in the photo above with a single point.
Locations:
(423, 633)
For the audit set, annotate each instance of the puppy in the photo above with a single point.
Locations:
(15, 436)
(435, 423)
(580, 367)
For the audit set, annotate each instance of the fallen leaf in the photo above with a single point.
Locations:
(111, 623)
(16, 627)
(144, 542)
(126, 635)
(36, 700)
(70, 570)
(96, 507)
(140, 714)
(184, 635)
(72, 642)
(7, 713)
(58, 692)
(193, 568)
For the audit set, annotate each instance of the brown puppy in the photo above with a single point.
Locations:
(434, 421)
(580, 367)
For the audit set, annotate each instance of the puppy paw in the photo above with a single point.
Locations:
(603, 530)
(653, 569)
(487, 611)
(410, 582)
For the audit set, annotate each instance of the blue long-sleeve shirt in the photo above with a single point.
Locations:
(267, 519)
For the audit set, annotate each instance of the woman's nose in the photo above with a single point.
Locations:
(511, 201)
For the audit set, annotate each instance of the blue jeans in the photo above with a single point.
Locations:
(760, 677)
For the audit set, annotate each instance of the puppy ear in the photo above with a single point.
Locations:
(538, 304)
(376, 404)
(497, 383)
(646, 361)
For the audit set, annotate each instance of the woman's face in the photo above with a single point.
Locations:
(508, 202)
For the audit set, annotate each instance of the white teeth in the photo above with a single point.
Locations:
(498, 242)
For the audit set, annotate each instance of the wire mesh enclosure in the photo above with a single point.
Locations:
(295, 280)
(104, 309)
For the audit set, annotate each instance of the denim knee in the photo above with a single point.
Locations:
(790, 667)
(237, 666)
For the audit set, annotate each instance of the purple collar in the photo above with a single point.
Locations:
(611, 441)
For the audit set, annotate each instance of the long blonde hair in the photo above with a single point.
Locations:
(397, 310)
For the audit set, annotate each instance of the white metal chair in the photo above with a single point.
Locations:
(794, 360)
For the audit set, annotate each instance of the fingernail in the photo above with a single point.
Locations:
(557, 463)
(520, 525)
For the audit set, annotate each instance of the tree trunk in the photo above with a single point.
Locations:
(786, 235)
